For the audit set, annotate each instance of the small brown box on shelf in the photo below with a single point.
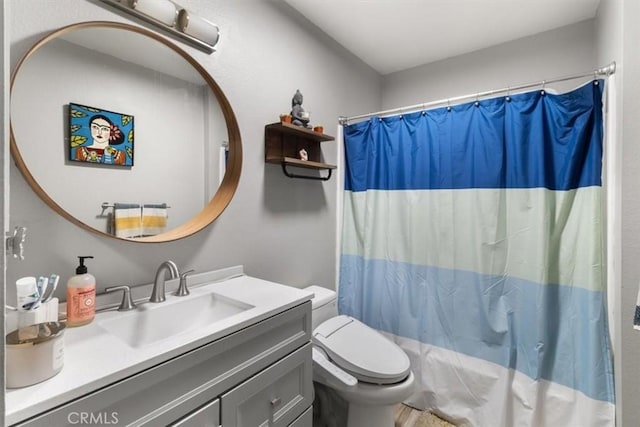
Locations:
(319, 129)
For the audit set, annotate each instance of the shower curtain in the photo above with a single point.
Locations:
(473, 236)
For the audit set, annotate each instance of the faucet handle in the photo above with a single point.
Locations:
(127, 302)
(183, 291)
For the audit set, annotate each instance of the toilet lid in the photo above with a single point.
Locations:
(362, 351)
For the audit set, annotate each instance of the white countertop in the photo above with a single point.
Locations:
(95, 358)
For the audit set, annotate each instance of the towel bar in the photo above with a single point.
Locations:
(316, 178)
(106, 205)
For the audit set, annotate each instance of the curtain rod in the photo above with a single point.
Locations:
(604, 71)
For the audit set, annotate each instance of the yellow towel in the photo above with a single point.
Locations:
(127, 220)
(154, 219)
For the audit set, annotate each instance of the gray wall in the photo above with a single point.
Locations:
(609, 42)
(625, 23)
(280, 229)
(547, 55)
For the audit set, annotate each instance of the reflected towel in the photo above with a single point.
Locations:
(127, 222)
(154, 219)
(636, 317)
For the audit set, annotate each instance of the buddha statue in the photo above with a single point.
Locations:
(299, 116)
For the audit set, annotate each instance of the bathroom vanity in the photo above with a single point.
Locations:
(174, 363)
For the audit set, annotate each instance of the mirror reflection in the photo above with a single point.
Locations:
(160, 136)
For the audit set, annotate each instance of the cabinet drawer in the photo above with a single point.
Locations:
(205, 416)
(304, 420)
(274, 397)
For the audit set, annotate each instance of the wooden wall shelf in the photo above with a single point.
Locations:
(283, 143)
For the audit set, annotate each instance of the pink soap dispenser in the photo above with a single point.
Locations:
(81, 296)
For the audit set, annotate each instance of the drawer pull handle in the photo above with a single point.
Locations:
(276, 401)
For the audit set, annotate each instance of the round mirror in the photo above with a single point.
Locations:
(123, 133)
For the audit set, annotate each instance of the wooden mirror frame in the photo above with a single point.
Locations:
(227, 187)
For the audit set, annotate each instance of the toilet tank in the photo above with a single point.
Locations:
(323, 305)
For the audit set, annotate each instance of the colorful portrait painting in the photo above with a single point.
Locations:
(100, 136)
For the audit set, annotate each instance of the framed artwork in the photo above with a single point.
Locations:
(99, 136)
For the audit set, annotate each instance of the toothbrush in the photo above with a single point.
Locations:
(53, 284)
(35, 303)
(42, 285)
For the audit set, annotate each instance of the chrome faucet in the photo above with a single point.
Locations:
(157, 295)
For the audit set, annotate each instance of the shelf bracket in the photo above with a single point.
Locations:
(315, 178)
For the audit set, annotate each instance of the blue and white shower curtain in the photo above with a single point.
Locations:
(473, 236)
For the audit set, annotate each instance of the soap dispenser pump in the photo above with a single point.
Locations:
(81, 296)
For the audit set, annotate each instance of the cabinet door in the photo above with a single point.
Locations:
(206, 416)
(274, 397)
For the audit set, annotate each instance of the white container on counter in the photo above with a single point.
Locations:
(47, 312)
(34, 353)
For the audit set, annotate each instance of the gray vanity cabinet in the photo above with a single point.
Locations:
(275, 397)
(206, 416)
(260, 375)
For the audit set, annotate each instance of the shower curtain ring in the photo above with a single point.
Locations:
(542, 92)
(508, 97)
(448, 105)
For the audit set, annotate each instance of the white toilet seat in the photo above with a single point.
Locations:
(362, 351)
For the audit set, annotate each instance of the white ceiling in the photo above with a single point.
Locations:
(394, 35)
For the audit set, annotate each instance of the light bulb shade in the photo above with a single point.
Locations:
(164, 11)
(198, 27)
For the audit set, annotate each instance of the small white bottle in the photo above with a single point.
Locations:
(81, 296)
(27, 294)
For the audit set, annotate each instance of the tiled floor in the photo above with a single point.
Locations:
(406, 416)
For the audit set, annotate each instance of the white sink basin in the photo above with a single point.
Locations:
(153, 322)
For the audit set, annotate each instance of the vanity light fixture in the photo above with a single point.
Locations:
(198, 27)
(164, 11)
(174, 19)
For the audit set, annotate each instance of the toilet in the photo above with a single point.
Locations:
(370, 372)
